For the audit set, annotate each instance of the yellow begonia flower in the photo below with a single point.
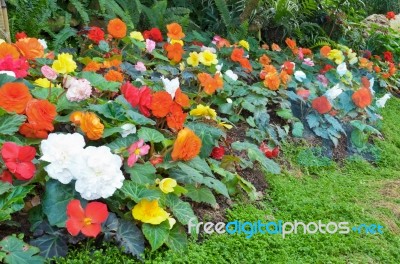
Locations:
(2, 40)
(64, 63)
(244, 44)
(205, 111)
(136, 35)
(352, 57)
(207, 58)
(224, 124)
(149, 212)
(171, 222)
(336, 55)
(167, 185)
(193, 59)
(173, 41)
(43, 82)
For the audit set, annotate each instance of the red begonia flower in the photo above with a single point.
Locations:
(18, 160)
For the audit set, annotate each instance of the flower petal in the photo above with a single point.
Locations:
(97, 212)
(26, 153)
(75, 210)
(74, 225)
(25, 171)
(91, 230)
(9, 151)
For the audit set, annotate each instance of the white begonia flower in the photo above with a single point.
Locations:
(78, 89)
(127, 129)
(61, 150)
(371, 85)
(231, 75)
(300, 76)
(204, 48)
(334, 92)
(229, 100)
(382, 101)
(97, 172)
(219, 67)
(9, 73)
(341, 69)
(171, 85)
(43, 43)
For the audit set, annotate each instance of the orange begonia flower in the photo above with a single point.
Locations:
(210, 84)
(117, 28)
(223, 43)
(290, 43)
(41, 114)
(174, 52)
(91, 125)
(321, 105)
(324, 51)
(76, 117)
(161, 103)
(114, 76)
(272, 81)
(31, 131)
(275, 47)
(306, 51)
(270, 69)
(366, 64)
(176, 118)
(112, 63)
(175, 31)
(8, 50)
(92, 66)
(377, 69)
(30, 48)
(265, 60)
(181, 98)
(365, 82)
(187, 145)
(14, 97)
(237, 54)
(285, 77)
(362, 98)
(245, 63)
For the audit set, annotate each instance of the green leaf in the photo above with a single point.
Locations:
(99, 82)
(217, 185)
(156, 234)
(9, 124)
(358, 138)
(142, 173)
(255, 154)
(181, 210)
(5, 187)
(51, 245)
(18, 252)
(139, 119)
(122, 143)
(209, 136)
(137, 192)
(13, 201)
(177, 239)
(201, 195)
(150, 135)
(111, 131)
(200, 165)
(159, 56)
(110, 110)
(298, 129)
(285, 113)
(55, 201)
(313, 120)
(130, 238)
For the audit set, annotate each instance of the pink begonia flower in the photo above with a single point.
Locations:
(78, 89)
(308, 62)
(137, 150)
(323, 80)
(300, 54)
(48, 72)
(216, 39)
(150, 45)
(139, 66)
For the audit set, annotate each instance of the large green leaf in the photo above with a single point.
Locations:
(142, 173)
(137, 192)
(12, 201)
(55, 201)
(122, 143)
(139, 119)
(255, 154)
(150, 135)
(110, 110)
(9, 124)
(181, 210)
(177, 239)
(200, 195)
(130, 238)
(51, 245)
(200, 165)
(5, 187)
(156, 234)
(18, 252)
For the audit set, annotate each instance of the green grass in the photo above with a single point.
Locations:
(358, 192)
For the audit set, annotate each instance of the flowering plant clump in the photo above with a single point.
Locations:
(138, 121)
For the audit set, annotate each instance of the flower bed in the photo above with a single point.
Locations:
(118, 138)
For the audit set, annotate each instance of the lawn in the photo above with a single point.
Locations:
(357, 192)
